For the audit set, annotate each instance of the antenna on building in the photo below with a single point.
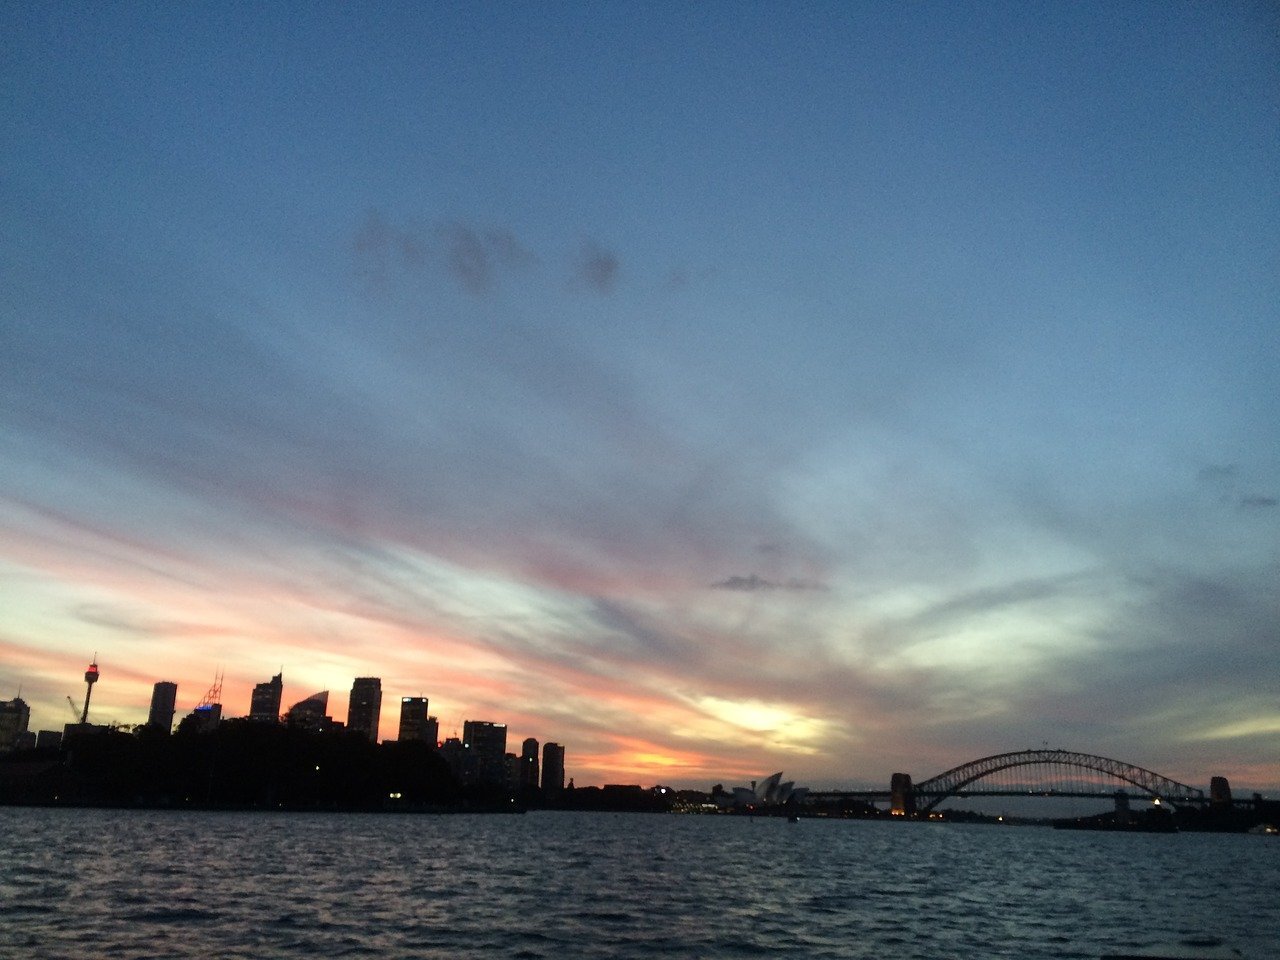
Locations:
(215, 692)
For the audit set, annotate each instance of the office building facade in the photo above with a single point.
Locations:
(416, 723)
(552, 770)
(164, 696)
(311, 714)
(528, 775)
(484, 744)
(15, 715)
(365, 708)
(264, 706)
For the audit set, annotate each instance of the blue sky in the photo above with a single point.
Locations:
(710, 388)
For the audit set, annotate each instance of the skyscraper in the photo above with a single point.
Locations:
(14, 717)
(311, 713)
(529, 764)
(163, 697)
(365, 708)
(265, 705)
(552, 770)
(485, 746)
(416, 723)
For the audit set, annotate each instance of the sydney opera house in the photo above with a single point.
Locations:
(769, 792)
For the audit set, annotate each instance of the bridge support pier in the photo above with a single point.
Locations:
(1123, 815)
(1219, 792)
(902, 796)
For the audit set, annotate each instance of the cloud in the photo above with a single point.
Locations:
(1256, 501)
(754, 583)
(131, 623)
(472, 255)
(598, 267)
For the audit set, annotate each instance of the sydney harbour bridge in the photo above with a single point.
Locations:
(1037, 773)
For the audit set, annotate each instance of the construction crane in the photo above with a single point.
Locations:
(75, 711)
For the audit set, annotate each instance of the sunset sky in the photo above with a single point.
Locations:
(714, 389)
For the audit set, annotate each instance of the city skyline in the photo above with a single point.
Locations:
(837, 388)
(314, 711)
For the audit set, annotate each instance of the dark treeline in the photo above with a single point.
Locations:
(241, 765)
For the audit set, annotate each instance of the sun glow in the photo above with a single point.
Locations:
(773, 724)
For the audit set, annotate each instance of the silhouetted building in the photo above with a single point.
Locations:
(208, 712)
(163, 698)
(365, 708)
(528, 775)
(552, 770)
(311, 713)
(455, 756)
(485, 747)
(78, 729)
(265, 702)
(50, 739)
(15, 715)
(416, 723)
(203, 718)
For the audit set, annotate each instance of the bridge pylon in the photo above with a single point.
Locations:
(1219, 792)
(902, 796)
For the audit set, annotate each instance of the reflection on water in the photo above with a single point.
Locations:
(77, 883)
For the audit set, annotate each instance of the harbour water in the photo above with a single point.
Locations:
(137, 884)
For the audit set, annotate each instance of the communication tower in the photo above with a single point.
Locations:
(90, 678)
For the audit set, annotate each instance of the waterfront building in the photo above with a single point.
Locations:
(15, 715)
(416, 723)
(365, 708)
(164, 696)
(265, 703)
(770, 791)
(528, 775)
(484, 745)
(552, 770)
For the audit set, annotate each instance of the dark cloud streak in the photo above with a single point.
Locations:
(598, 268)
(755, 583)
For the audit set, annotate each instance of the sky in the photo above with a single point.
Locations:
(713, 389)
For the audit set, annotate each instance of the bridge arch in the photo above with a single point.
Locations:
(954, 781)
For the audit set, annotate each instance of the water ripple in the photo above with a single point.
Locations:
(545, 886)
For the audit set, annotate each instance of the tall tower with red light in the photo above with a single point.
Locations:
(90, 678)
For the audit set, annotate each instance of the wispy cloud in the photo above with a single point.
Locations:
(597, 267)
(753, 583)
(1254, 502)
(474, 255)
